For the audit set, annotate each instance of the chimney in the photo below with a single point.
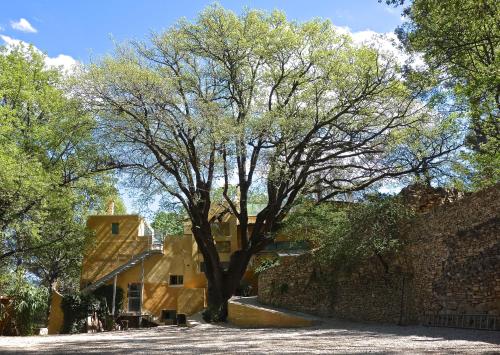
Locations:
(111, 208)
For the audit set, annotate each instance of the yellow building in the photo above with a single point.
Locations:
(159, 280)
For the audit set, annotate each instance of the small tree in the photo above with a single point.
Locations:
(252, 100)
(168, 223)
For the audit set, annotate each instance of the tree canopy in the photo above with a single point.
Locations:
(49, 160)
(460, 43)
(168, 224)
(254, 101)
(344, 233)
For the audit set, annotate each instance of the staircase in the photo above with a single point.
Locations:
(154, 249)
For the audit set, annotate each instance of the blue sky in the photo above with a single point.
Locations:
(68, 30)
(85, 28)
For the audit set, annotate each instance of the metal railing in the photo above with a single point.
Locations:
(468, 321)
(157, 249)
(156, 246)
(154, 243)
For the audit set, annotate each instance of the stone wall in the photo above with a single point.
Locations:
(450, 264)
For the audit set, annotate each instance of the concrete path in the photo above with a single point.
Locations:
(329, 337)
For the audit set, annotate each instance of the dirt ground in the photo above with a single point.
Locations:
(330, 337)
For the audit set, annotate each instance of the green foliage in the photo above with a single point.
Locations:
(75, 312)
(30, 303)
(78, 306)
(168, 224)
(249, 100)
(460, 42)
(105, 293)
(267, 264)
(49, 159)
(347, 233)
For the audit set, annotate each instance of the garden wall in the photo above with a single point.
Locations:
(450, 264)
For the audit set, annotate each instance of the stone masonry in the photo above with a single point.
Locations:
(449, 264)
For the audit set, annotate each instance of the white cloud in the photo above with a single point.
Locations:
(66, 62)
(62, 60)
(11, 42)
(23, 25)
(386, 43)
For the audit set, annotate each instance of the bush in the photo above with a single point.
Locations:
(29, 304)
(105, 294)
(347, 233)
(75, 313)
(77, 307)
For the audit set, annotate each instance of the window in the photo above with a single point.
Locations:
(134, 297)
(176, 280)
(115, 228)
(168, 314)
(223, 247)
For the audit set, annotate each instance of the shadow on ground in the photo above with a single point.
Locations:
(331, 336)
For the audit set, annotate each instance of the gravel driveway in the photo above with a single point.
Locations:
(331, 337)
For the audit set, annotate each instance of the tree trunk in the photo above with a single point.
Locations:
(216, 297)
(221, 283)
(216, 303)
(219, 294)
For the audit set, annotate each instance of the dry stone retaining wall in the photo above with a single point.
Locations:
(450, 264)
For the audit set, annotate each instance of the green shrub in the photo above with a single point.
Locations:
(77, 307)
(105, 293)
(29, 304)
(74, 312)
(344, 234)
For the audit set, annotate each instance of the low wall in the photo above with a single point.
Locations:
(56, 315)
(245, 312)
(450, 264)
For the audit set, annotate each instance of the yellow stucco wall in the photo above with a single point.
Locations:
(250, 316)
(177, 259)
(108, 251)
(191, 300)
(56, 315)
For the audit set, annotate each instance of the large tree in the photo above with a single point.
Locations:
(48, 158)
(253, 101)
(49, 162)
